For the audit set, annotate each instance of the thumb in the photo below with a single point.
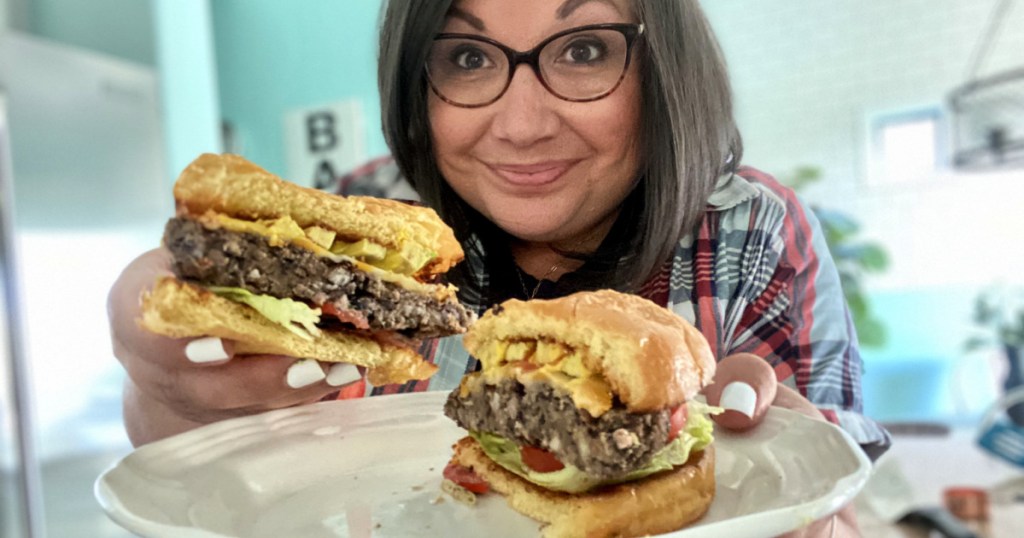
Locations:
(745, 385)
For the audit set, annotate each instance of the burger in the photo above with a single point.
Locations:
(582, 415)
(282, 269)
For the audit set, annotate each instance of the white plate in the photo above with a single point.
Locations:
(372, 467)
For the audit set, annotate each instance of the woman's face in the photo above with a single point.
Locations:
(542, 168)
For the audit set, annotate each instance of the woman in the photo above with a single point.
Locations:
(610, 160)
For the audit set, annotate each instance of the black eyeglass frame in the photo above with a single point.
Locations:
(532, 58)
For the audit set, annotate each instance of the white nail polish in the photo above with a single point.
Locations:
(342, 374)
(739, 396)
(208, 349)
(304, 372)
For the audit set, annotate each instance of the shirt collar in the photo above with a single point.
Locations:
(730, 190)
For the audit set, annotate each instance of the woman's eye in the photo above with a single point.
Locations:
(470, 58)
(583, 51)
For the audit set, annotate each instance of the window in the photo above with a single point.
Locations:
(906, 146)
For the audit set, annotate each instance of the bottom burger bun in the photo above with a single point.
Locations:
(180, 310)
(660, 503)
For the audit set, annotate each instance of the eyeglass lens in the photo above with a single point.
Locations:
(576, 66)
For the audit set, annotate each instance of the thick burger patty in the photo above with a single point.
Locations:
(224, 258)
(538, 415)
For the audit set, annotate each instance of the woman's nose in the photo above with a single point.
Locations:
(524, 115)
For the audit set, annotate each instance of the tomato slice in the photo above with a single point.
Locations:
(346, 316)
(676, 421)
(540, 460)
(465, 477)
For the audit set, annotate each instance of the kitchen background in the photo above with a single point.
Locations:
(106, 100)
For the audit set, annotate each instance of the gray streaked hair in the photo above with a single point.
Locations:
(688, 137)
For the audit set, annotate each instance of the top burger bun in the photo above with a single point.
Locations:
(253, 193)
(650, 357)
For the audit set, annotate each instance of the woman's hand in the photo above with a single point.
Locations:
(175, 385)
(746, 386)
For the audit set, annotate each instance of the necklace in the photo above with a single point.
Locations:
(522, 282)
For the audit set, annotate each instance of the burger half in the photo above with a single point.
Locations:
(282, 269)
(582, 415)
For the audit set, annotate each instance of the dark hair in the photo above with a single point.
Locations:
(688, 138)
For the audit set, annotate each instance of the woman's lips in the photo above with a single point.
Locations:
(531, 175)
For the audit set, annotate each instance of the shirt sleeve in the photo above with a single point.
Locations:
(379, 178)
(792, 311)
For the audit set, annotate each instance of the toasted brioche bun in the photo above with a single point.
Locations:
(180, 310)
(233, 186)
(651, 358)
(659, 503)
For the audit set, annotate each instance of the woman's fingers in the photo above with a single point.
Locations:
(250, 384)
(745, 385)
(209, 349)
(794, 401)
(201, 379)
(341, 374)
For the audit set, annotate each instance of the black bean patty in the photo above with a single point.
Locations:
(244, 260)
(538, 415)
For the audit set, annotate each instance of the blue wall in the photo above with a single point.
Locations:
(274, 56)
(119, 28)
(924, 373)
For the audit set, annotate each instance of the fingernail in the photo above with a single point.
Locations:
(304, 372)
(342, 374)
(739, 396)
(208, 349)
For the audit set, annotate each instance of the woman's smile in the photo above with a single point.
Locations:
(537, 174)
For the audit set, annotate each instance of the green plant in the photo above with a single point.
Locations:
(999, 313)
(853, 256)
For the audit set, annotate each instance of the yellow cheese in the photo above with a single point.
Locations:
(279, 232)
(573, 365)
(591, 393)
(492, 354)
(284, 230)
(520, 351)
(470, 383)
(562, 368)
(320, 236)
(549, 352)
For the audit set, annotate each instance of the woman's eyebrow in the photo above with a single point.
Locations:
(569, 6)
(473, 21)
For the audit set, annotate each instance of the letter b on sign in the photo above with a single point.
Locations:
(323, 142)
(320, 132)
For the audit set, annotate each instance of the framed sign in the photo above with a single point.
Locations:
(324, 142)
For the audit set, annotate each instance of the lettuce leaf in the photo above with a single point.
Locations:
(299, 318)
(697, 434)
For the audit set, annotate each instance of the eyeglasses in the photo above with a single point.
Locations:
(580, 64)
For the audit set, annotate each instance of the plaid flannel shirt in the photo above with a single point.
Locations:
(757, 277)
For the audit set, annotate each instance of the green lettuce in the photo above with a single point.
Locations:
(297, 317)
(697, 434)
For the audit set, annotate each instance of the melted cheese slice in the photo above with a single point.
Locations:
(284, 231)
(561, 368)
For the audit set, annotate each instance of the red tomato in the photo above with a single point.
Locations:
(346, 316)
(465, 477)
(676, 421)
(540, 460)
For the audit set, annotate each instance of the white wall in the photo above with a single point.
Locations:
(808, 74)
